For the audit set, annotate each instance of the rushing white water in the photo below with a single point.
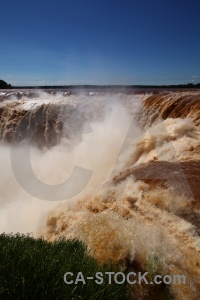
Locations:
(123, 220)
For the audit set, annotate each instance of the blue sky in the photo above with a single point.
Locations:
(99, 42)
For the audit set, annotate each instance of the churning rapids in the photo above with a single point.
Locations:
(141, 154)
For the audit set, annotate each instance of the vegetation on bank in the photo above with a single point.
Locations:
(4, 85)
(117, 86)
(34, 269)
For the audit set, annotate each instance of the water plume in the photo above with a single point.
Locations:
(141, 207)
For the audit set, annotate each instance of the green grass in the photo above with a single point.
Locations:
(34, 269)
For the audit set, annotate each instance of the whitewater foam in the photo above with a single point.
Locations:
(118, 216)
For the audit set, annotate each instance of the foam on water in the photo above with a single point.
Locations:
(118, 216)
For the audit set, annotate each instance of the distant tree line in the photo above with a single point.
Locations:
(4, 85)
(99, 87)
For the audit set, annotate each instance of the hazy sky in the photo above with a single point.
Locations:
(99, 42)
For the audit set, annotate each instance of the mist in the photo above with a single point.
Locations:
(96, 150)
